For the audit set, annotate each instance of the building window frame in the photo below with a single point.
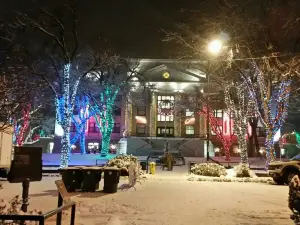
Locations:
(189, 113)
(165, 118)
(117, 111)
(93, 128)
(160, 133)
(141, 111)
(190, 130)
(213, 133)
(116, 128)
(139, 127)
(218, 113)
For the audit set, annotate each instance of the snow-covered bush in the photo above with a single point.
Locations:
(122, 161)
(242, 170)
(232, 179)
(209, 169)
(14, 207)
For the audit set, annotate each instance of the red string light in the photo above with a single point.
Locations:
(24, 127)
(215, 127)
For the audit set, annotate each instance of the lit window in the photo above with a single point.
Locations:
(93, 146)
(218, 113)
(219, 128)
(189, 113)
(170, 117)
(190, 130)
(162, 131)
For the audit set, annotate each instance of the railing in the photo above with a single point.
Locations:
(170, 137)
(42, 218)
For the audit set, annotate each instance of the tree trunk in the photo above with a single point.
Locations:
(66, 118)
(65, 143)
(244, 152)
(105, 143)
(82, 143)
(270, 150)
(253, 150)
(251, 147)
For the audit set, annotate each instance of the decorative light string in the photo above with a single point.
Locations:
(264, 99)
(20, 136)
(214, 123)
(65, 110)
(82, 105)
(239, 114)
(105, 112)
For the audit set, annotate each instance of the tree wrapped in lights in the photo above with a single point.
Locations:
(22, 131)
(64, 63)
(80, 121)
(214, 122)
(271, 101)
(113, 75)
(21, 126)
(104, 115)
(239, 111)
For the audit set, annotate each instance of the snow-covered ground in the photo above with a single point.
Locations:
(169, 199)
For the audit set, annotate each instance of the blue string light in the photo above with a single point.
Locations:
(265, 100)
(83, 116)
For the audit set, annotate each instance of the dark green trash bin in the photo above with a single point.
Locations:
(111, 180)
(91, 178)
(72, 178)
(143, 165)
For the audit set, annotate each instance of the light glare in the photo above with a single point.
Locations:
(215, 47)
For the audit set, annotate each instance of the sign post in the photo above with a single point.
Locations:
(26, 167)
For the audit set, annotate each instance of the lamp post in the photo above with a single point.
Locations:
(214, 48)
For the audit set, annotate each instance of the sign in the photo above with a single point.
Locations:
(63, 191)
(27, 164)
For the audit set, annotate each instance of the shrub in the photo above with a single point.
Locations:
(14, 208)
(242, 170)
(209, 169)
(122, 161)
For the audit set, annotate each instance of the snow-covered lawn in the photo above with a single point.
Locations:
(169, 200)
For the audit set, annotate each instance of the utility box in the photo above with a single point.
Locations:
(6, 150)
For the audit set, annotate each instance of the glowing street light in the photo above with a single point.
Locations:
(215, 47)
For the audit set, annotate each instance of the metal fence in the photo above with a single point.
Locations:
(42, 218)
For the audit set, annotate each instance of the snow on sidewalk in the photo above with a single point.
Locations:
(170, 202)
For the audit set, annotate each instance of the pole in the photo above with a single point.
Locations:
(207, 116)
(59, 204)
(25, 195)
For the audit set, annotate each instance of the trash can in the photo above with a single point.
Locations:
(152, 167)
(143, 165)
(72, 178)
(91, 178)
(111, 179)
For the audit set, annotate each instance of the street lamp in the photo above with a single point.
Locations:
(214, 48)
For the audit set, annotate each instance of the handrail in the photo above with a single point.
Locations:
(41, 218)
(22, 217)
(58, 210)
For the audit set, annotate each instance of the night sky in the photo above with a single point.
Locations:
(129, 27)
